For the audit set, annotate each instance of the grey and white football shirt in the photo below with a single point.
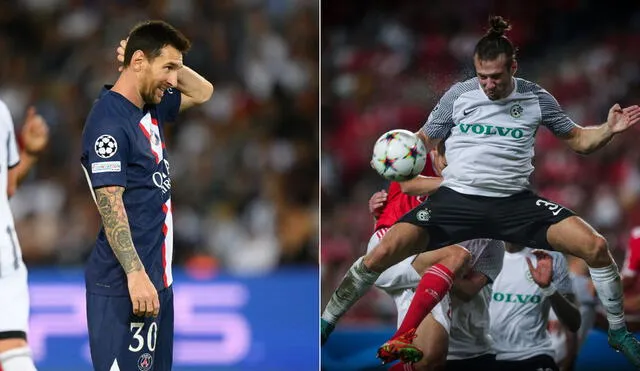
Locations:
(491, 143)
(519, 311)
(469, 332)
(10, 253)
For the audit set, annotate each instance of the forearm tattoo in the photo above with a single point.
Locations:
(116, 227)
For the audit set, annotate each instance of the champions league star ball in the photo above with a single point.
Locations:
(399, 155)
(106, 146)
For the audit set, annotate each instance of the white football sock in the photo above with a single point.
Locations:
(18, 359)
(609, 288)
(355, 283)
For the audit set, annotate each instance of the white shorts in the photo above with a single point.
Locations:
(14, 310)
(400, 281)
(398, 277)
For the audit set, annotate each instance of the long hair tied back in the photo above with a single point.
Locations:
(495, 42)
(498, 26)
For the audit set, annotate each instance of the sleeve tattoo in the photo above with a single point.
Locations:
(116, 227)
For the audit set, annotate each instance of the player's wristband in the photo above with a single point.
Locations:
(549, 290)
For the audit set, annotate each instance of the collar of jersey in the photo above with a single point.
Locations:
(513, 92)
(106, 89)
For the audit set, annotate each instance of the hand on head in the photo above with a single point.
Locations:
(120, 54)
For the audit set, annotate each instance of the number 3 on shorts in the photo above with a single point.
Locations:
(152, 336)
(554, 208)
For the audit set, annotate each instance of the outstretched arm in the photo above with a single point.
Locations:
(425, 185)
(563, 305)
(585, 140)
(35, 136)
(420, 185)
(430, 143)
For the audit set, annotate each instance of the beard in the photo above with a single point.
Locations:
(496, 94)
(152, 96)
(153, 91)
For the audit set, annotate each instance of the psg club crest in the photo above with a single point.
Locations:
(155, 139)
(106, 146)
(145, 362)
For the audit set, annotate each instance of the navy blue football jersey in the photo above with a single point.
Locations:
(123, 145)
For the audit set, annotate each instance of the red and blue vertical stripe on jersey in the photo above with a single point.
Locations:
(151, 130)
(167, 245)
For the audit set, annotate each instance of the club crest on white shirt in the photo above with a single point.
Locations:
(516, 111)
(527, 275)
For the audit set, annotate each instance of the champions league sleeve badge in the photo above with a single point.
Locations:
(106, 146)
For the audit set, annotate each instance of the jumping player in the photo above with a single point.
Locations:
(491, 121)
(456, 332)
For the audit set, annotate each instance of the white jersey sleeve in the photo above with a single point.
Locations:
(486, 256)
(553, 117)
(440, 121)
(490, 261)
(561, 277)
(13, 156)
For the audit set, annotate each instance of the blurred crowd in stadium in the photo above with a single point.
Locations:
(386, 67)
(244, 166)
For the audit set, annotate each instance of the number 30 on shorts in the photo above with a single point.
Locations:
(139, 339)
(554, 208)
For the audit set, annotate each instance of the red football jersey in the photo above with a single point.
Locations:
(399, 203)
(631, 266)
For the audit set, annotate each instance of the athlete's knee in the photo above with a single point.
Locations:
(433, 365)
(430, 362)
(462, 255)
(457, 258)
(380, 258)
(12, 340)
(597, 251)
(17, 359)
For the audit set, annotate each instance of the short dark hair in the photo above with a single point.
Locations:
(151, 37)
(494, 42)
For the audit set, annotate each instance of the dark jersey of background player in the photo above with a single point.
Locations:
(124, 146)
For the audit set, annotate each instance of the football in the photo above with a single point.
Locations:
(399, 155)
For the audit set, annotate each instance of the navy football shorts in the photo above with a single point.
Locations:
(122, 341)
